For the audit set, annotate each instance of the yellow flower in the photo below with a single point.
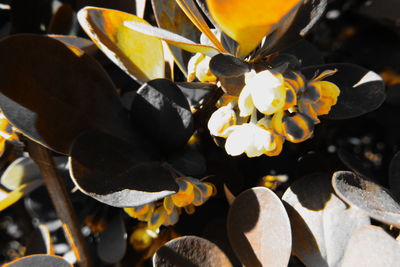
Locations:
(7, 132)
(263, 91)
(192, 192)
(198, 67)
(221, 120)
(249, 138)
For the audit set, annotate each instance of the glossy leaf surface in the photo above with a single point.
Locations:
(190, 251)
(259, 228)
(248, 22)
(228, 66)
(118, 173)
(316, 214)
(161, 111)
(370, 197)
(139, 55)
(61, 95)
(361, 90)
(371, 246)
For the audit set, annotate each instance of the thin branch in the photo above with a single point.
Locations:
(61, 201)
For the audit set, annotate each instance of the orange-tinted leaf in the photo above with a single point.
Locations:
(190, 9)
(247, 22)
(172, 38)
(139, 55)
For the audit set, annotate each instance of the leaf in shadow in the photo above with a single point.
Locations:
(39, 260)
(161, 111)
(40, 242)
(224, 65)
(60, 95)
(190, 251)
(371, 246)
(361, 90)
(118, 173)
(111, 245)
(316, 214)
(394, 175)
(373, 199)
(259, 229)
(354, 163)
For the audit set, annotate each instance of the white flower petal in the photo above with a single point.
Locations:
(221, 120)
(238, 140)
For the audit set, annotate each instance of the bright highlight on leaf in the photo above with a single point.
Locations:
(247, 22)
(141, 56)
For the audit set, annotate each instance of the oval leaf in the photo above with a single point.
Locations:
(361, 90)
(223, 65)
(40, 242)
(111, 246)
(355, 164)
(118, 173)
(20, 171)
(167, 118)
(61, 94)
(190, 251)
(259, 228)
(249, 22)
(370, 197)
(140, 56)
(371, 246)
(322, 224)
(39, 260)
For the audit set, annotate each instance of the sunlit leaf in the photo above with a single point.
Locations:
(20, 171)
(39, 260)
(118, 173)
(74, 42)
(259, 228)
(171, 38)
(370, 197)
(191, 10)
(361, 90)
(248, 22)
(61, 94)
(190, 251)
(170, 16)
(9, 198)
(394, 175)
(112, 243)
(139, 55)
(371, 246)
(140, 7)
(316, 214)
(168, 119)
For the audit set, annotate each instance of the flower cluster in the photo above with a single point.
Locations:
(271, 108)
(192, 192)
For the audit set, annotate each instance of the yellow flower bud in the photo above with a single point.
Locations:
(221, 120)
(198, 67)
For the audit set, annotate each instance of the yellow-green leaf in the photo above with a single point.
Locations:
(139, 55)
(247, 22)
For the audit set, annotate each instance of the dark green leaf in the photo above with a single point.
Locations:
(161, 111)
(117, 173)
(224, 65)
(394, 175)
(60, 95)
